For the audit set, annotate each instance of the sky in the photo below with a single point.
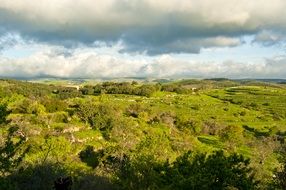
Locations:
(143, 38)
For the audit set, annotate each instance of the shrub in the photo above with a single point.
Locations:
(90, 157)
(10, 154)
(189, 171)
(3, 113)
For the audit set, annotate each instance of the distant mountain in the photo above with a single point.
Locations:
(280, 81)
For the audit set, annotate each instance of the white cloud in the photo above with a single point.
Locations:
(115, 38)
(159, 26)
(106, 62)
(269, 38)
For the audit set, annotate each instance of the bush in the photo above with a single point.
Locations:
(231, 133)
(3, 113)
(54, 105)
(182, 122)
(90, 157)
(10, 154)
(101, 117)
(189, 171)
(216, 171)
(134, 110)
(36, 108)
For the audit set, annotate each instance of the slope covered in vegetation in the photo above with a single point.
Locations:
(190, 134)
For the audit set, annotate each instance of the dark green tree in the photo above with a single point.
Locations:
(188, 172)
(216, 171)
(3, 113)
(11, 154)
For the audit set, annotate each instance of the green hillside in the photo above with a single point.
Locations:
(188, 134)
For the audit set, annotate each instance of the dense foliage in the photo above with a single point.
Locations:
(200, 171)
(189, 134)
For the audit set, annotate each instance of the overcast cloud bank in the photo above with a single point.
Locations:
(66, 38)
(161, 26)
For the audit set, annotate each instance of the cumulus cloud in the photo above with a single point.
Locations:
(155, 27)
(57, 61)
(141, 38)
(269, 38)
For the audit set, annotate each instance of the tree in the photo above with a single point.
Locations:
(216, 171)
(188, 172)
(101, 117)
(3, 113)
(10, 154)
(146, 90)
(36, 108)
